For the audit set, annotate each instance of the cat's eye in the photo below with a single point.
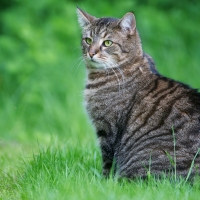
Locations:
(107, 43)
(88, 41)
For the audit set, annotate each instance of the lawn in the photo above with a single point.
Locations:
(48, 148)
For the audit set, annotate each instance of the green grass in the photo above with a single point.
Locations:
(48, 148)
(71, 172)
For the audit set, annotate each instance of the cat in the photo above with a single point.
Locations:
(143, 120)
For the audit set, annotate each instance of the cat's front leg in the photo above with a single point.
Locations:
(107, 153)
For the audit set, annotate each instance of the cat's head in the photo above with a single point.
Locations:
(108, 42)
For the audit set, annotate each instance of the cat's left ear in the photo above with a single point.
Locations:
(84, 18)
(128, 23)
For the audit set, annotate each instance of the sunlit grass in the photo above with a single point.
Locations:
(71, 172)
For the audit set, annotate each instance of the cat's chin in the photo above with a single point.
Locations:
(97, 64)
(92, 64)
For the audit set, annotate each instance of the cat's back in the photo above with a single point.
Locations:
(166, 116)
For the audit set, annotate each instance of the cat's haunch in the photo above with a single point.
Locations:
(142, 119)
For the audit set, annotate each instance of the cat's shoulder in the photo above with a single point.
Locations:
(151, 63)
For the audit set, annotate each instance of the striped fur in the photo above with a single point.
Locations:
(135, 109)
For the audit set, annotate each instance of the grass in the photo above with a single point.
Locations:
(48, 148)
(71, 172)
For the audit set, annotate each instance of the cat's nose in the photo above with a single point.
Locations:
(91, 54)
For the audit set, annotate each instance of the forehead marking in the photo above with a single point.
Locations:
(105, 35)
(103, 32)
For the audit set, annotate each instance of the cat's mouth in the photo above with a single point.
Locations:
(92, 60)
(94, 64)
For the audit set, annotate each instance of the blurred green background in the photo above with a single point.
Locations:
(41, 73)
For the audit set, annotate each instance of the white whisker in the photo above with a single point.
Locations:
(75, 48)
(76, 65)
(120, 71)
(110, 65)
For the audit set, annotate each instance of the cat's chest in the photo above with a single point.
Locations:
(105, 104)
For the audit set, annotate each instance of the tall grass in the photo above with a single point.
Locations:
(73, 173)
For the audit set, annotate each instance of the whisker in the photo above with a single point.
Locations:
(76, 65)
(110, 65)
(117, 77)
(120, 71)
(76, 61)
(75, 48)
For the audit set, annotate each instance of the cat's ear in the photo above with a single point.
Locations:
(84, 18)
(128, 23)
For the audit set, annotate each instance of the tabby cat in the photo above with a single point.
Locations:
(143, 120)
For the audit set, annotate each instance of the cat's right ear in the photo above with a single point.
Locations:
(128, 23)
(84, 18)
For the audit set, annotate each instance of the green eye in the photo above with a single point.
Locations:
(88, 41)
(107, 43)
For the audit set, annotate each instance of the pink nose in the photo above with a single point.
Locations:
(91, 54)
